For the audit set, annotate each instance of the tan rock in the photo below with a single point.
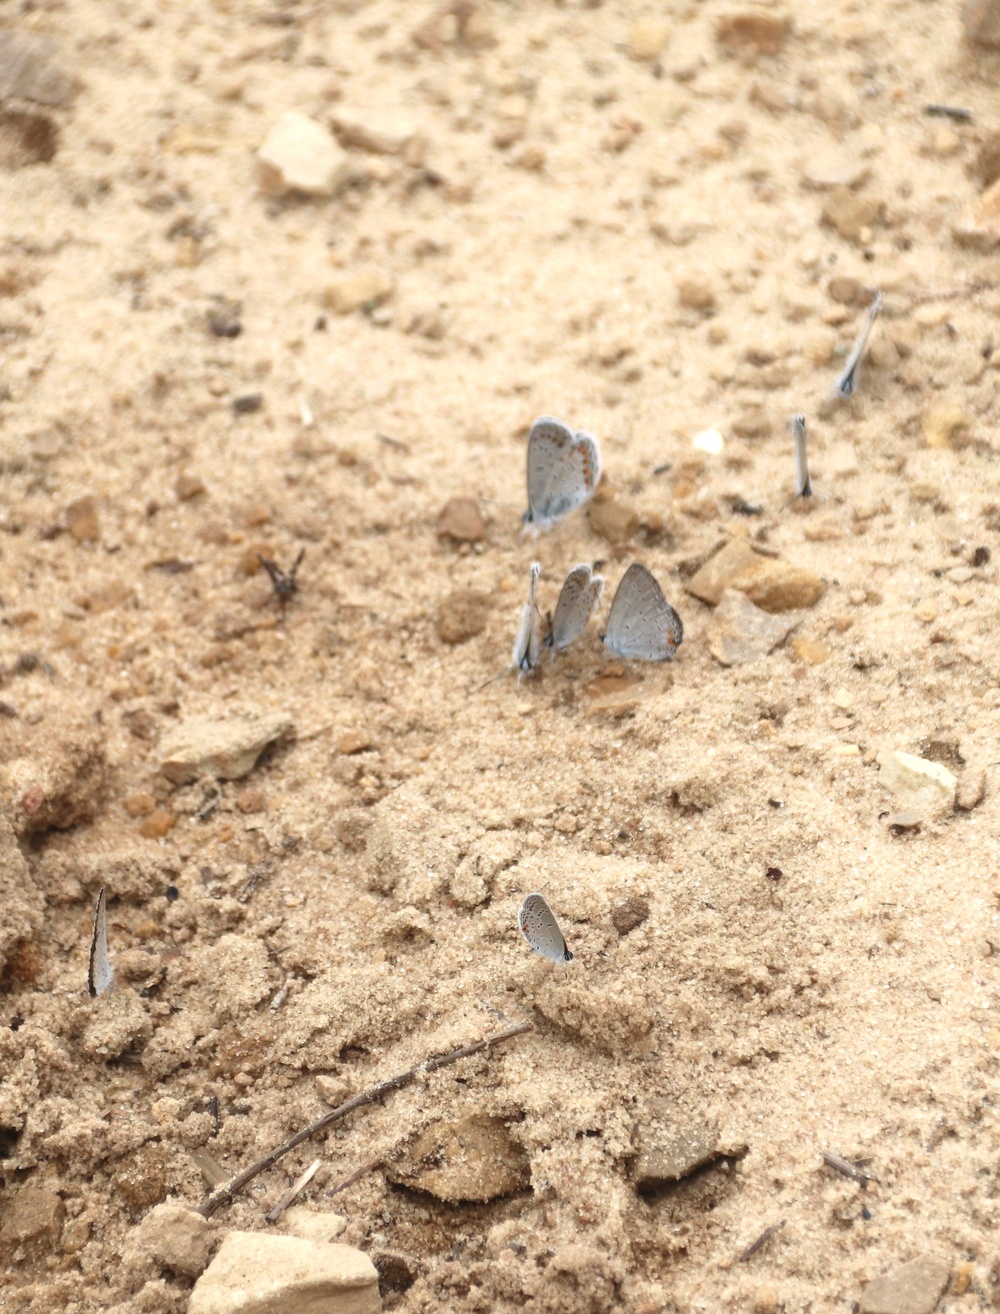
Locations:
(460, 519)
(771, 584)
(670, 1149)
(971, 790)
(612, 520)
(373, 130)
(365, 287)
(256, 1273)
(913, 1288)
(981, 21)
(30, 70)
(834, 168)
(979, 224)
(175, 1238)
(944, 423)
(354, 741)
(82, 520)
(629, 914)
(313, 1224)
(811, 652)
(696, 293)
(925, 787)
(299, 155)
(851, 214)
(473, 1159)
(462, 615)
(227, 749)
(741, 633)
(755, 30)
(32, 1216)
(648, 39)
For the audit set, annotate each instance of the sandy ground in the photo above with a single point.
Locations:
(648, 245)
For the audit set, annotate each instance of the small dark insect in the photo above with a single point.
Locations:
(172, 893)
(249, 403)
(284, 583)
(16, 1022)
(866, 1213)
(949, 112)
(662, 469)
(774, 873)
(775, 803)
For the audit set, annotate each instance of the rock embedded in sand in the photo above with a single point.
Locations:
(754, 30)
(741, 633)
(913, 1288)
(944, 424)
(925, 787)
(30, 70)
(772, 584)
(971, 790)
(670, 1148)
(462, 615)
(629, 914)
(471, 1160)
(459, 519)
(614, 521)
(851, 214)
(227, 749)
(981, 21)
(82, 520)
(175, 1238)
(299, 155)
(255, 1273)
(978, 226)
(374, 130)
(32, 1217)
(648, 39)
(351, 292)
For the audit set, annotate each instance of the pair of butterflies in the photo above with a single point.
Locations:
(641, 624)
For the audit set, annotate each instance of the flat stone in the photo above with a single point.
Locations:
(834, 168)
(30, 70)
(913, 1288)
(981, 21)
(299, 155)
(770, 583)
(256, 1273)
(755, 30)
(176, 1238)
(944, 424)
(925, 787)
(364, 287)
(670, 1149)
(227, 749)
(741, 633)
(459, 519)
(32, 1215)
(473, 1159)
(462, 615)
(374, 130)
(313, 1224)
(978, 226)
(616, 522)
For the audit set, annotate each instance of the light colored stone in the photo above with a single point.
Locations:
(755, 30)
(979, 224)
(82, 520)
(226, 749)
(176, 1238)
(256, 1273)
(374, 130)
(850, 214)
(834, 168)
(913, 1288)
(770, 583)
(811, 652)
(614, 521)
(971, 790)
(944, 423)
(696, 293)
(648, 38)
(313, 1224)
(29, 70)
(364, 287)
(927, 787)
(473, 1159)
(741, 633)
(299, 155)
(460, 519)
(669, 1148)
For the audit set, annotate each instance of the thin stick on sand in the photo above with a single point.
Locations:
(224, 1194)
(356, 1176)
(293, 1191)
(848, 1169)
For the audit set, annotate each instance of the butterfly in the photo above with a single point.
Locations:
(564, 468)
(847, 381)
(642, 623)
(528, 644)
(580, 594)
(541, 930)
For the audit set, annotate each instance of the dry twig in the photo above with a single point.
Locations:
(225, 1193)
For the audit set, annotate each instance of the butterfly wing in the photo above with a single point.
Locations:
(578, 597)
(99, 974)
(528, 644)
(541, 930)
(848, 381)
(563, 470)
(642, 624)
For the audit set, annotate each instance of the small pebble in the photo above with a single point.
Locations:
(82, 520)
(462, 615)
(811, 651)
(460, 519)
(157, 824)
(979, 224)
(751, 30)
(614, 521)
(648, 39)
(913, 1288)
(139, 805)
(354, 291)
(630, 914)
(299, 155)
(355, 741)
(188, 487)
(971, 790)
(696, 293)
(945, 424)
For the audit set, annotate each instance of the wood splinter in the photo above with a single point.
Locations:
(225, 1193)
